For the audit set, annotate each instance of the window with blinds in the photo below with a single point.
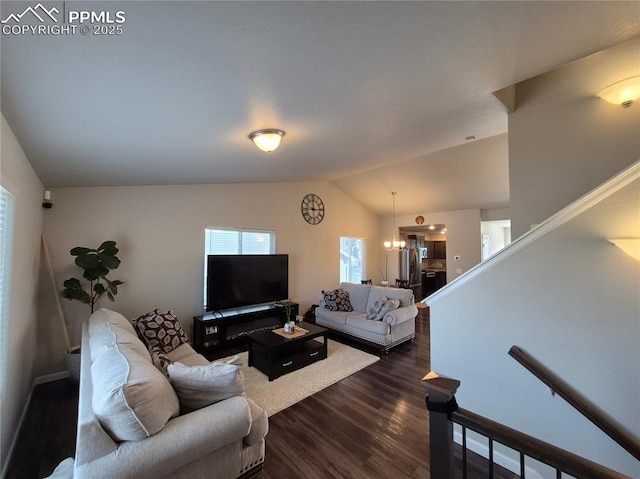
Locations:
(7, 207)
(236, 241)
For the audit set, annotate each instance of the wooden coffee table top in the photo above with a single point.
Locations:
(269, 339)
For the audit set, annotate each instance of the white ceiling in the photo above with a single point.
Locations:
(357, 86)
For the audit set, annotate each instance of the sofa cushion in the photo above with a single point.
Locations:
(336, 300)
(200, 386)
(162, 330)
(358, 295)
(361, 322)
(131, 398)
(107, 328)
(259, 424)
(104, 315)
(332, 317)
(404, 295)
(186, 355)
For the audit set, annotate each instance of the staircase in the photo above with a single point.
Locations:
(564, 294)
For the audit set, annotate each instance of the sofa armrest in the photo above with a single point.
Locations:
(400, 315)
(183, 440)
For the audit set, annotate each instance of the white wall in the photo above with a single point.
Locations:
(463, 239)
(571, 300)
(563, 140)
(17, 176)
(160, 233)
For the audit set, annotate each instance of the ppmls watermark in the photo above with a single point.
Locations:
(40, 20)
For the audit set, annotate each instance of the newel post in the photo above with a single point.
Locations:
(441, 402)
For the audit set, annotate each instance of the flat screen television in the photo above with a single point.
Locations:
(234, 281)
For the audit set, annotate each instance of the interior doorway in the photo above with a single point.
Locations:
(426, 246)
(495, 236)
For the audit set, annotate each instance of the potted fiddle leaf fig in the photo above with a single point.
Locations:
(96, 265)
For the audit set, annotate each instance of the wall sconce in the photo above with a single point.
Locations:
(631, 246)
(267, 139)
(623, 92)
(46, 199)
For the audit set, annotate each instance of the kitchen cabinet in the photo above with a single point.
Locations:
(432, 281)
(436, 249)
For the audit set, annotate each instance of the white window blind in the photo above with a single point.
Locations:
(352, 262)
(236, 241)
(7, 207)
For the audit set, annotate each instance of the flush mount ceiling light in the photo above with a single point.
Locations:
(267, 139)
(623, 92)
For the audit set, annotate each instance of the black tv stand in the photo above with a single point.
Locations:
(228, 328)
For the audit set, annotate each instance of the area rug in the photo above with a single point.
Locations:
(274, 396)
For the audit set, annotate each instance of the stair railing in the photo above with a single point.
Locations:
(578, 401)
(444, 412)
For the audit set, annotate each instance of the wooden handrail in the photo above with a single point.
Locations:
(535, 448)
(589, 410)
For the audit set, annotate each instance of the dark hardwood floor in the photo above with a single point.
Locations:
(371, 425)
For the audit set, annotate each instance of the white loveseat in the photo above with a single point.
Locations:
(394, 328)
(140, 434)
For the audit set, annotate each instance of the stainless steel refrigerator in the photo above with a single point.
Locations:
(411, 269)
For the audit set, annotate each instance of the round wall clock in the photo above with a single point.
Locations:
(312, 209)
(419, 220)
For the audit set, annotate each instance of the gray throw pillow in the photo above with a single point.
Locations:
(381, 307)
(200, 386)
(375, 309)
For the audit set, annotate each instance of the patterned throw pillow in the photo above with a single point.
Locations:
(374, 312)
(162, 330)
(160, 359)
(381, 307)
(336, 300)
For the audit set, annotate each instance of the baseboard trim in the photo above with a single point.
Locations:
(49, 378)
(500, 459)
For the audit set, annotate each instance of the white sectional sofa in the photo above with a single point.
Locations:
(395, 327)
(138, 431)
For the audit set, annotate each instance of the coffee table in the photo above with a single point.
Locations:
(276, 355)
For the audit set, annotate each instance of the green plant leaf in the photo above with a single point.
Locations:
(108, 247)
(110, 296)
(88, 261)
(73, 290)
(109, 261)
(112, 287)
(72, 283)
(99, 288)
(95, 273)
(79, 250)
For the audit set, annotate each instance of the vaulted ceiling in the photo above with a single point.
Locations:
(373, 96)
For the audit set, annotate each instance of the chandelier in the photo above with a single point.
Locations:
(394, 244)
